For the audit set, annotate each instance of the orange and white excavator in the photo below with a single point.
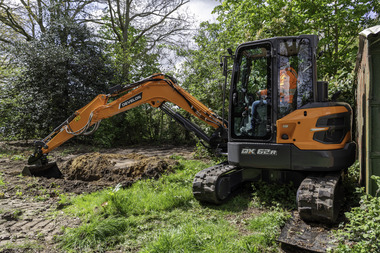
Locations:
(281, 126)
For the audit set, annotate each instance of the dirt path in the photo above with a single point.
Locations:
(26, 224)
(26, 207)
(29, 206)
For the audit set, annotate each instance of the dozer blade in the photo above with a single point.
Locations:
(49, 170)
(299, 236)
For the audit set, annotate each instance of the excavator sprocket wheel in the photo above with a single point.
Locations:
(210, 186)
(319, 198)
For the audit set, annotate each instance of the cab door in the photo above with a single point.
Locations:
(251, 96)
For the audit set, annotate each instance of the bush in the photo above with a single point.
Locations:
(363, 230)
(59, 73)
(274, 196)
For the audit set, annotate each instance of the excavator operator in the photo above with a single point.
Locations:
(288, 84)
(257, 114)
(287, 90)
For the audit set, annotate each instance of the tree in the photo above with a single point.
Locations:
(336, 22)
(60, 72)
(200, 71)
(28, 19)
(138, 28)
(138, 32)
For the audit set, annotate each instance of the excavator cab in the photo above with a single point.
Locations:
(279, 74)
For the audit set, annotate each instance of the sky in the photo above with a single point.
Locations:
(202, 9)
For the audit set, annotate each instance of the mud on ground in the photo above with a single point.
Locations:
(26, 203)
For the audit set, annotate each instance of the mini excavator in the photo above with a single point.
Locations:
(281, 126)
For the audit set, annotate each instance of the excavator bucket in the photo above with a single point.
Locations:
(49, 170)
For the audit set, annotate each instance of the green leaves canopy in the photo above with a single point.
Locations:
(336, 22)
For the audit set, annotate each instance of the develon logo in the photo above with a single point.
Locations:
(131, 100)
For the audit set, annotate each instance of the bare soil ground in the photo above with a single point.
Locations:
(26, 220)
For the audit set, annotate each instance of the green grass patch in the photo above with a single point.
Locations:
(163, 216)
(28, 246)
(266, 229)
(18, 157)
(1, 179)
(6, 151)
(145, 196)
(196, 235)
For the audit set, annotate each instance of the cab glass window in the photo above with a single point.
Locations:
(295, 73)
(251, 98)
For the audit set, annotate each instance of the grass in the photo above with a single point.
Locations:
(14, 154)
(2, 184)
(163, 216)
(16, 214)
(2, 179)
(28, 246)
(18, 157)
(266, 227)
(195, 235)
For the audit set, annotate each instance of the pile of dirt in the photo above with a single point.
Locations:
(89, 167)
(116, 167)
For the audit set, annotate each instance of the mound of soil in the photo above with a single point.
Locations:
(89, 167)
(116, 167)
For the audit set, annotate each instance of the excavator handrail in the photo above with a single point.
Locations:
(155, 90)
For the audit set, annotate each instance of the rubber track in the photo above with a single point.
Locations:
(205, 181)
(319, 198)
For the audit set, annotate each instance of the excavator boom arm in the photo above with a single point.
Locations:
(155, 91)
